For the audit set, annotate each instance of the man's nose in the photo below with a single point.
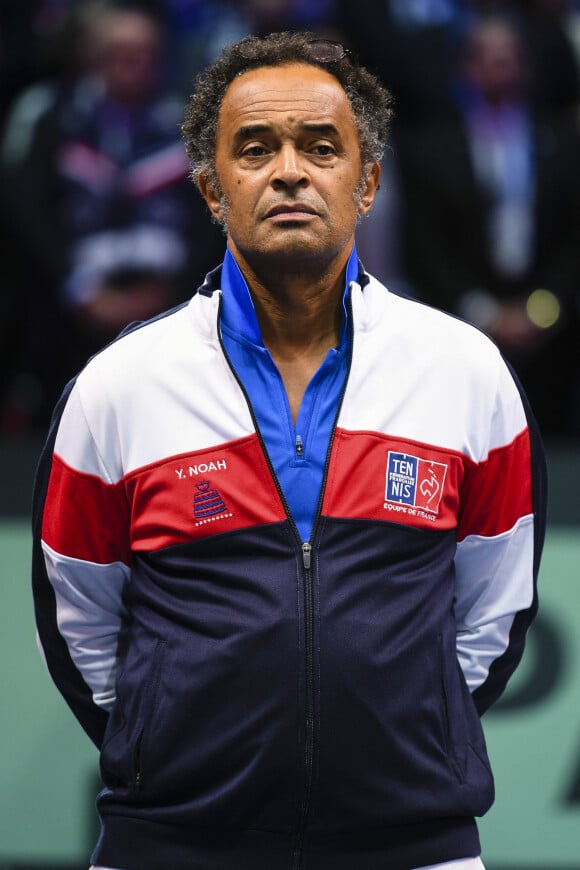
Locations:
(289, 168)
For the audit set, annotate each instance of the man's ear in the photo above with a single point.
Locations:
(212, 196)
(370, 187)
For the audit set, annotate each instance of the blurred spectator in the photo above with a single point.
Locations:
(410, 45)
(492, 208)
(73, 70)
(413, 45)
(198, 29)
(31, 35)
(554, 87)
(108, 225)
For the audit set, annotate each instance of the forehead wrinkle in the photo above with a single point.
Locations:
(250, 121)
(294, 111)
(251, 94)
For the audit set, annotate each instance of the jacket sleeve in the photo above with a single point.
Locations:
(80, 565)
(500, 539)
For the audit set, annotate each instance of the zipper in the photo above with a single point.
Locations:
(309, 748)
(148, 709)
(299, 447)
(137, 768)
(309, 718)
(449, 747)
(306, 552)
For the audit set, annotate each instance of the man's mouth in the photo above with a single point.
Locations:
(291, 210)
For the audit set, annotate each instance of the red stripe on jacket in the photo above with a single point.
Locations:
(377, 477)
(490, 509)
(174, 501)
(85, 517)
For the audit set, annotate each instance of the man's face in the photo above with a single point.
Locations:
(496, 63)
(288, 165)
(131, 57)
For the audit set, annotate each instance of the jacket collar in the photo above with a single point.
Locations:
(238, 313)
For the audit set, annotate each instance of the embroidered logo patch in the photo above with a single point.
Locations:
(208, 505)
(414, 482)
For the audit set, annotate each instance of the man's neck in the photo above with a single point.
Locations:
(302, 323)
(299, 313)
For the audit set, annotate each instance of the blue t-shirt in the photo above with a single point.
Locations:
(297, 452)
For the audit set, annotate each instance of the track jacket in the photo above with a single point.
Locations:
(263, 702)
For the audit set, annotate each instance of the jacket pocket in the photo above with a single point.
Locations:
(452, 711)
(130, 721)
(145, 722)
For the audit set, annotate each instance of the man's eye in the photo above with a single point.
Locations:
(254, 151)
(323, 149)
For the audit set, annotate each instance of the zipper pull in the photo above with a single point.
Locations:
(306, 551)
(299, 446)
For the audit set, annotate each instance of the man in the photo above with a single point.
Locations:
(291, 530)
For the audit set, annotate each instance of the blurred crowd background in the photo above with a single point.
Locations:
(478, 213)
